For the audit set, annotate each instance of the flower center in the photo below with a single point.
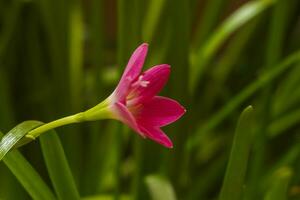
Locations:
(140, 82)
(135, 109)
(134, 89)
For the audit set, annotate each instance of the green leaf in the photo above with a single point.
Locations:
(6, 108)
(236, 101)
(203, 183)
(281, 179)
(236, 169)
(209, 20)
(177, 55)
(129, 32)
(152, 19)
(15, 135)
(106, 197)
(244, 14)
(275, 42)
(76, 54)
(289, 158)
(160, 188)
(226, 64)
(27, 176)
(58, 167)
(283, 123)
(283, 100)
(9, 25)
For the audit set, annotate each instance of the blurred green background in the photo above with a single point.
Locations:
(60, 57)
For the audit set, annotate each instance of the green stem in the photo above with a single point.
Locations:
(98, 112)
(79, 117)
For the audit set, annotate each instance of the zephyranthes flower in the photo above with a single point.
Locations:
(133, 102)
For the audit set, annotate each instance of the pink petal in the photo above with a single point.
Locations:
(150, 83)
(121, 91)
(132, 71)
(159, 111)
(123, 114)
(158, 136)
(136, 62)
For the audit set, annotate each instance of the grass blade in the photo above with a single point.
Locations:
(152, 19)
(283, 101)
(273, 53)
(129, 32)
(201, 58)
(236, 101)
(160, 188)
(236, 169)
(278, 190)
(76, 54)
(177, 88)
(10, 25)
(212, 12)
(11, 139)
(226, 64)
(283, 123)
(6, 109)
(27, 176)
(106, 197)
(58, 167)
(76, 48)
(203, 184)
(289, 158)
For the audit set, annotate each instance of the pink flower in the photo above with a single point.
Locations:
(134, 101)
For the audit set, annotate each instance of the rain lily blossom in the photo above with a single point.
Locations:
(133, 102)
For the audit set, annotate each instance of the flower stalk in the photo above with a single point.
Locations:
(77, 118)
(96, 113)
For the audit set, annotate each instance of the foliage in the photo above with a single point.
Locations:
(58, 58)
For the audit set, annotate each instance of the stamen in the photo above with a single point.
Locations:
(144, 83)
(134, 88)
(140, 82)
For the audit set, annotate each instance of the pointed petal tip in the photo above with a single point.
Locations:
(145, 44)
(161, 71)
(167, 143)
(157, 135)
(163, 140)
(166, 66)
(143, 47)
(164, 71)
(183, 110)
(160, 111)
